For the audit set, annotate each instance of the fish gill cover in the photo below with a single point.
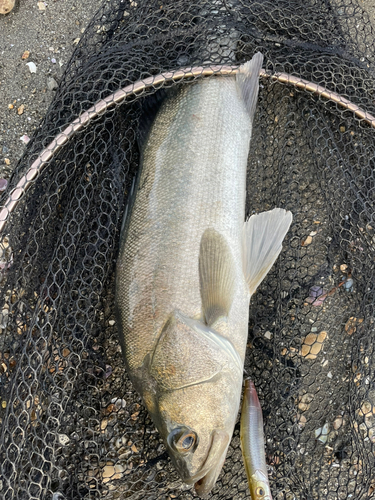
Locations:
(72, 425)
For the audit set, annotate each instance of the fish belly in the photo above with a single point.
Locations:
(193, 177)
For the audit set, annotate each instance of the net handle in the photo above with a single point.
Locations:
(100, 107)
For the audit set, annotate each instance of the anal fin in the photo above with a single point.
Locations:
(263, 235)
(216, 276)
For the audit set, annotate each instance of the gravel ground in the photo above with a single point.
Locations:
(43, 33)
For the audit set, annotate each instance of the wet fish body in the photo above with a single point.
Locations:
(183, 281)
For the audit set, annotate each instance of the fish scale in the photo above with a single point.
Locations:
(181, 196)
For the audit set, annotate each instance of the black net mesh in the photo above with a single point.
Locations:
(71, 424)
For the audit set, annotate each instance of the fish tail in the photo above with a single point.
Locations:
(248, 82)
(263, 235)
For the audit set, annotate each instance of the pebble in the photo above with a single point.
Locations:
(322, 433)
(348, 285)
(351, 325)
(366, 409)
(3, 184)
(32, 67)
(307, 241)
(52, 83)
(313, 344)
(41, 6)
(25, 55)
(112, 472)
(343, 267)
(25, 138)
(6, 161)
(10, 106)
(6, 6)
(119, 403)
(305, 402)
(338, 422)
(111, 322)
(53, 60)
(21, 109)
(63, 439)
(268, 335)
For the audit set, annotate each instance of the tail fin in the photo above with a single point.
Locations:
(263, 235)
(248, 81)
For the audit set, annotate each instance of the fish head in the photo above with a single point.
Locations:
(197, 375)
(259, 486)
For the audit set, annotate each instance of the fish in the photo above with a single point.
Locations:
(188, 264)
(252, 444)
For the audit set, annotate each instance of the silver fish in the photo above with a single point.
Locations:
(252, 444)
(188, 265)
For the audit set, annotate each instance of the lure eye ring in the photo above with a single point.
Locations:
(260, 491)
(183, 440)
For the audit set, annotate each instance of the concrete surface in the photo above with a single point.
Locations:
(49, 31)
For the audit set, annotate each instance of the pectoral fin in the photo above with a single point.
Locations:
(263, 235)
(216, 276)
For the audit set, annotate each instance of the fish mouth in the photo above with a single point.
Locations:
(206, 478)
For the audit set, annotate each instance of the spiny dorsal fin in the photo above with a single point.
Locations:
(216, 276)
(263, 235)
(248, 81)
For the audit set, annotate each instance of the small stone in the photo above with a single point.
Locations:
(6, 161)
(32, 67)
(343, 267)
(310, 338)
(25, 55)
(111, 322)
(103, 424)
(329, 375)
(6, 6)
(342, 129)
(337, 423)
(53, 60)
(348, 285)
(63, 439)
(21, 109)
(3, 184)
(307, 241)
(25, 138)
(351, 325)
(366, 408)
(3, 404)
(313, 233)
(10, 106)
(51, 83)
(134, 449)
(65, 352)
(119, 403)
(76, 40)
(268, 335)
(322, 433)
(41, 6)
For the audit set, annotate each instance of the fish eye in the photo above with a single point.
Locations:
(260, 491)
(183, 440)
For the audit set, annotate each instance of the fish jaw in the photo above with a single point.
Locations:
(211, 470)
